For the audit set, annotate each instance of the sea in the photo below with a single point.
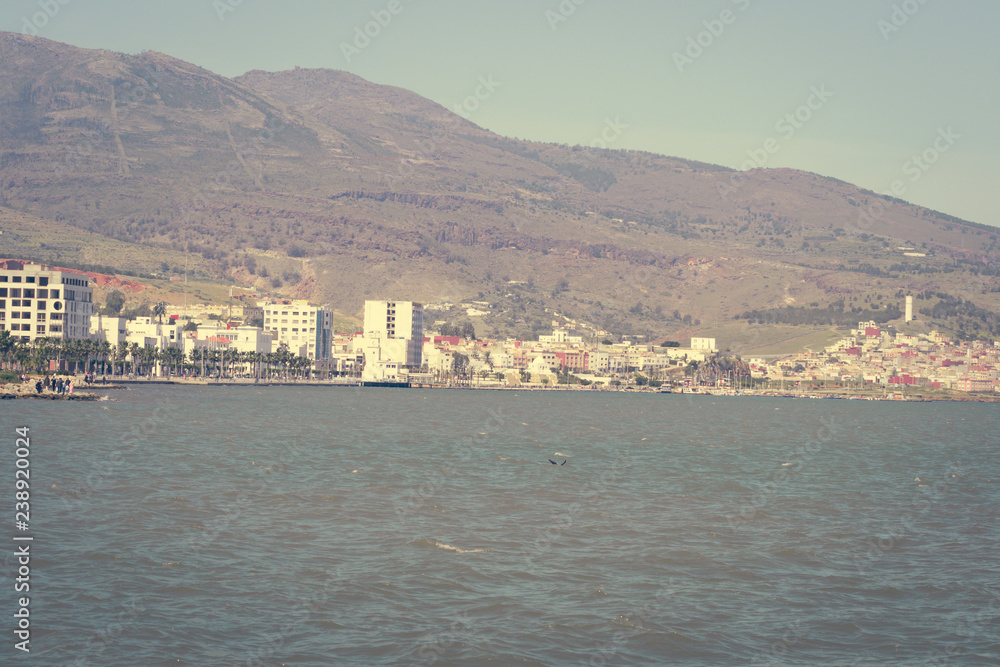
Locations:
(361, 526)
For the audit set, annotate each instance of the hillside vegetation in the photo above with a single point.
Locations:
(318, 184)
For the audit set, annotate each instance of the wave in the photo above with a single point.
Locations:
(447, 547)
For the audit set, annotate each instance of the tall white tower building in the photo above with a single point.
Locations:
(393, 337)
(909, 309)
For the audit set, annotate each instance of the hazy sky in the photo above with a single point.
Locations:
(887, 80)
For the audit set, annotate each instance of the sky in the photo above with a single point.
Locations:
(897, 96)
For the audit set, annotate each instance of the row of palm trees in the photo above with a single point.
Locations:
(103, 358)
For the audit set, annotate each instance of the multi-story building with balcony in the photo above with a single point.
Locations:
(37, 301)
(303, 327)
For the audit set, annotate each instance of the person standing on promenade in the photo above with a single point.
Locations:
(70, 387)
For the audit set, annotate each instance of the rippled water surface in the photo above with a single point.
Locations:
(319, 526)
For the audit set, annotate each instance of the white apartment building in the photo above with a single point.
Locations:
(241, 339)
(562, 336)
(107, 328)
(305, 328)
(397, 328)
(707, 344)
(148, 332)
(39, 302)
(393, 338)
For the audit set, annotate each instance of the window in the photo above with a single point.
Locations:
(26, 304)
(3, 279)
(55, 328)
(43, 280)
(15, 279)
(43, 294)
(58, 316)
(40, 305)
(3, 291)
(40, 317)
(29, 279)
(40, 329)
(30, 293)
(3, 316)
(54, 293)
(15, 291)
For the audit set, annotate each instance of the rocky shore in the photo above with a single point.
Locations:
(17, 390)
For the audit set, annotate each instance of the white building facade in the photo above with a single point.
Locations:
(305, 328)
(393, 338)
(39, 302)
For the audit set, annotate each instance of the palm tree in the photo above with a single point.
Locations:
(22, 354)
(7, 346)
(133, 353)
(253, 358)
(120, 352)
(159, 310)
(104, 351)
(176, 358)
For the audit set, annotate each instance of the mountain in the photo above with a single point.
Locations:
(319, 184)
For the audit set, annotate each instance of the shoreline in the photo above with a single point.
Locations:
(13, 391)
